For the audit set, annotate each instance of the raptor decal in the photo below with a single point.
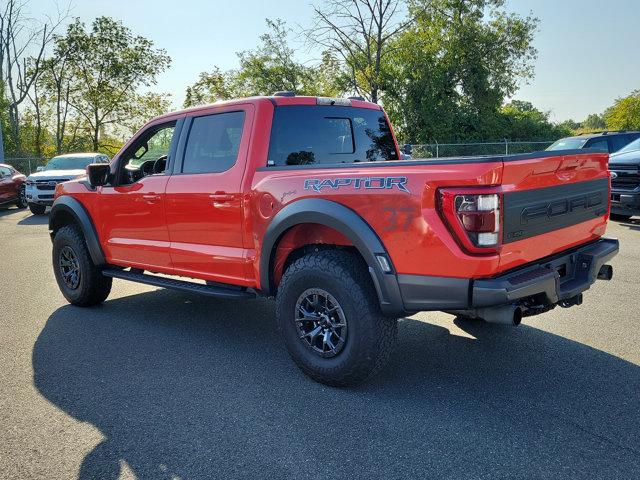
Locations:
(357, 183)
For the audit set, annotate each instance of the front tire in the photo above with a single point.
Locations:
(328, 313)
(37, 209)
(79, 280)
(21, 202)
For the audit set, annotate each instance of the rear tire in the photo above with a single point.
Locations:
(37, 209)
(79, 280)
(333, 288)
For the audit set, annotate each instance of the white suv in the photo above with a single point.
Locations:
(40, 186)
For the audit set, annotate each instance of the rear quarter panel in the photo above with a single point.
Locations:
(406, 221)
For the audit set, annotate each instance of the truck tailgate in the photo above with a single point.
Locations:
(552, 203)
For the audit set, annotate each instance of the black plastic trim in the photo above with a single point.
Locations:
(528, 213)
(345, 221)
(423, 293)
(581, 266)
(74, 207)
(185, 286)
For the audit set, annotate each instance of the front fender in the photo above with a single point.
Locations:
(65, 208)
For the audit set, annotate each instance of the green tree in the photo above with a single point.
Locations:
(108, 66)
(594, 122)
(270, 67)
(360, 33)
(520, 120)
(624, 114)
(453, 68)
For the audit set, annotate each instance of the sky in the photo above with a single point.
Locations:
(587, 49)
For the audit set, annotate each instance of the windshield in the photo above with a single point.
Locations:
(635, 145)
(68, 163)
(569, 143)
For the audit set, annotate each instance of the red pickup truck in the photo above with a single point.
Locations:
(307, 200)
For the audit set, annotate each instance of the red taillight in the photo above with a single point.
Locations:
(474, 218)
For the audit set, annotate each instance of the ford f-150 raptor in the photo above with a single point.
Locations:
(306, 199)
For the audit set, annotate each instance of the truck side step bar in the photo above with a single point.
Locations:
(156, 281)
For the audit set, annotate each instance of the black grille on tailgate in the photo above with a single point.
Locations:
(533, 212)
(626, 176)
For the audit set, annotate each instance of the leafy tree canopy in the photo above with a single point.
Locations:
(624, 114)
(269, 68)
(455, 66)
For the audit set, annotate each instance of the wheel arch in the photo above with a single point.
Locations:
(67, 210)
(346, 222)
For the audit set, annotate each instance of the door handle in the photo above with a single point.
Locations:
(151, 197)
(220, 197)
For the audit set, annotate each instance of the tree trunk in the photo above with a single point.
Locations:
(14, 128)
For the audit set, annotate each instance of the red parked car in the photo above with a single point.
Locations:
(307, 200)
(12, 187)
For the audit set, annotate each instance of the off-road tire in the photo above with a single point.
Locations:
(21, 202)
(371, 336)
(93, 287)
(37, 209)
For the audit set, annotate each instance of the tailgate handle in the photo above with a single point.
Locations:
(570, 165)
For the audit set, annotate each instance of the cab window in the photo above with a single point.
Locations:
(148, 155)
(303, 135)
(213, 143)
(599, 143)
(620, 141)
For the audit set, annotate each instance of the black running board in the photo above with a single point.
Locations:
(184, 286)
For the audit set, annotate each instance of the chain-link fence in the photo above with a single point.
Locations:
(26, 165)
(506, 147)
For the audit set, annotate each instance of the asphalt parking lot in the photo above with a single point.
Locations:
(158, 384)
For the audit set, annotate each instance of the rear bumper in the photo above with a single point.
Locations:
(548, 281)
(625, 202)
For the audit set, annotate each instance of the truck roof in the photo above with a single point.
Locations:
(604, 133)
(279, 100)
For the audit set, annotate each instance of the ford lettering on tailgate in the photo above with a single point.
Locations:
(533, 212)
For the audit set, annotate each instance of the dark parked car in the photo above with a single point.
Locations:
(625, 181)
(609, 141)
(12, 186)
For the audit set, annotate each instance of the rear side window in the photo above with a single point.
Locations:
(599, 143)
(620, 141)
(213, 143)
(303, 135)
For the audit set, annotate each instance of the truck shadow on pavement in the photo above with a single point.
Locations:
(190, 387)
(35, 220)
(631, 224)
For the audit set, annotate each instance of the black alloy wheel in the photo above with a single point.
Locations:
(321, 322)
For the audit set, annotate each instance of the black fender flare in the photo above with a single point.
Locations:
(66, 205)
(347, 222)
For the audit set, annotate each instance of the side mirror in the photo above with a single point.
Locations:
(40, 168)
(407, 148)
(98, 174)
